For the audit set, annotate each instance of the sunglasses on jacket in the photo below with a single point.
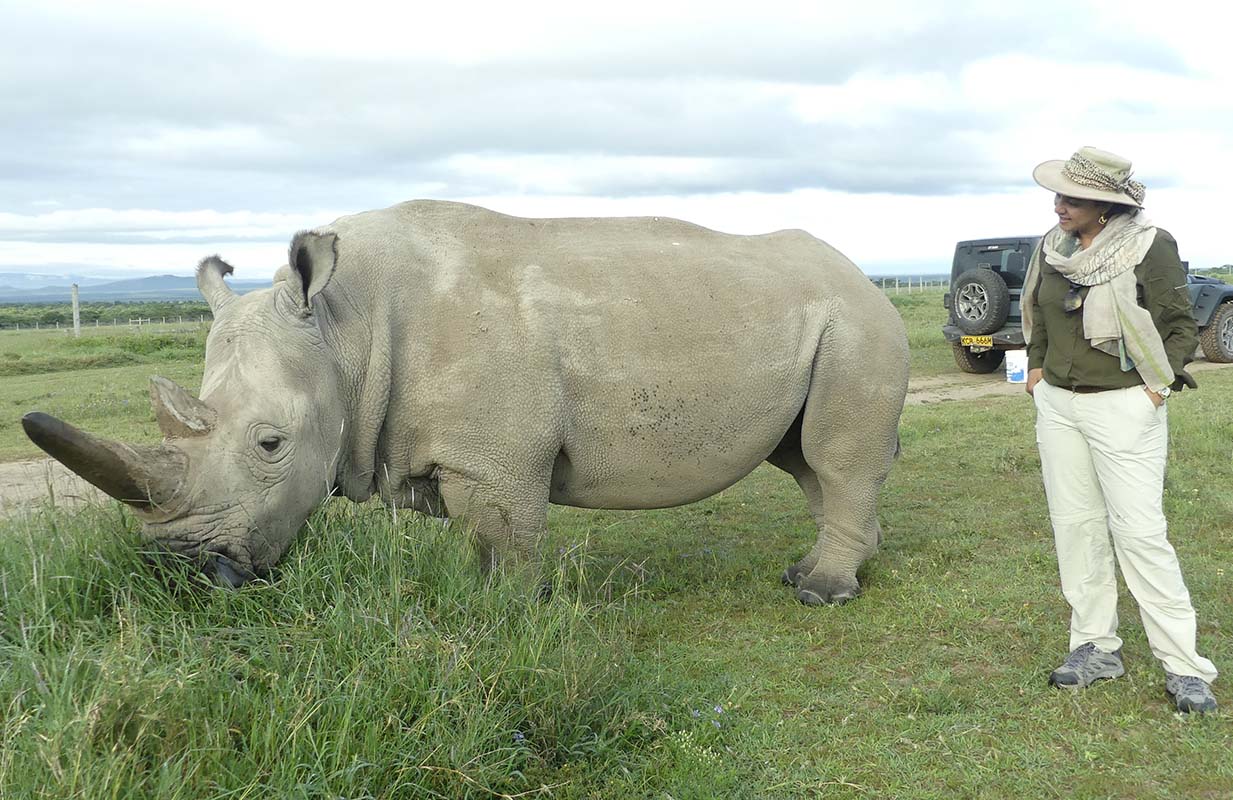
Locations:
(1072, 300)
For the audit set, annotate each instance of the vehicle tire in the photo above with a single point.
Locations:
(981, 301)
(1217, 338)
(977, 363)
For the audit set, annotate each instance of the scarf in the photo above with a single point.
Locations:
(1113, 321)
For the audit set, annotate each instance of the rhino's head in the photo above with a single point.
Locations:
(240, 469)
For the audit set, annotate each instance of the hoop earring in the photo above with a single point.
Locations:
(1104, 220)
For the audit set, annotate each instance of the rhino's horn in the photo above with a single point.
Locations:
(144, 477)
(179, 414)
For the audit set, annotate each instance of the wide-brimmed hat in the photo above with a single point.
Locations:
(1092, 174)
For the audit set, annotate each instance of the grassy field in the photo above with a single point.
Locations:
(923, 315)
(98, 382)
(669, 662)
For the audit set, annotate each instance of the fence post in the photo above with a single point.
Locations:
(76, 313)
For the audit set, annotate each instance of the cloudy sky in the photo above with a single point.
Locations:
(138, 137)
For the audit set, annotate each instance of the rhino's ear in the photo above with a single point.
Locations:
(179, 414)
(310, 265)
(210, 282)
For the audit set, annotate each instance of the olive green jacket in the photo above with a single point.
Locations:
(1068, 359)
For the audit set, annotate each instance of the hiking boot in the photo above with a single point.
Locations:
(1085, 665)
(1190, 693)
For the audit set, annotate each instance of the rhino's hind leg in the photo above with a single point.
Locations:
(822, 575)
(847, 438)
(848, 531)
(788, 457)
(508, 518)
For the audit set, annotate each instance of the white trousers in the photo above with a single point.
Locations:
(1102, 457)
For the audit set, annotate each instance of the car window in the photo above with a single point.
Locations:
(1010, 260)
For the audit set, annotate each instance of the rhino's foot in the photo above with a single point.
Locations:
(818, 590)
(793, 574)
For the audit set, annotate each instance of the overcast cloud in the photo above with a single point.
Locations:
(140, 136)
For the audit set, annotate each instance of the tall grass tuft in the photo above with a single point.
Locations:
(378, 662)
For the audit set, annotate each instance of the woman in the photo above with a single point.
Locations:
(1107, 317)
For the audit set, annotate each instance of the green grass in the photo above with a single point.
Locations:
(38, 352)
(924, 316)
(669, 661)
(98, 382)
(112, 402)
(380, 658)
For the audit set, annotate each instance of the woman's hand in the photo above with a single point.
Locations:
(1156, 399)
(1034, 377)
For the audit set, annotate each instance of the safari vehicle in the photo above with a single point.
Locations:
(1212, 305)
(986, 284)
(986, 281)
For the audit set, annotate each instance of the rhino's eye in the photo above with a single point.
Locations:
(271, 443)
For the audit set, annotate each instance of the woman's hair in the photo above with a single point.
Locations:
(1121, 208)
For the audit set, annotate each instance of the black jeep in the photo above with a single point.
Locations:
(986, 281)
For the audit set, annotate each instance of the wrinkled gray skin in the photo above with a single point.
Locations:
(470, 364)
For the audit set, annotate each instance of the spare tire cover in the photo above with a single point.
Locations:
(981, 301)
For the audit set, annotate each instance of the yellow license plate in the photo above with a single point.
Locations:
(976, 341)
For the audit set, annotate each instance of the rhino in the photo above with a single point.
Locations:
(469, 364)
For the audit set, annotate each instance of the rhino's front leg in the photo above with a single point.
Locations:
(508, 517)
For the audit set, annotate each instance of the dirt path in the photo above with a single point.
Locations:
(24, 484)
(963, 386)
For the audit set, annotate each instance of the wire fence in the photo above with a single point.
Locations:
(135, 323)
(912, 285)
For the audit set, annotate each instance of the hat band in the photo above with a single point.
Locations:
(1085, 172)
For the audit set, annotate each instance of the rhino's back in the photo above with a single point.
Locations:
(653, 360)
(460, 240)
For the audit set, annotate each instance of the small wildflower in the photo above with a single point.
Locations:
(717, 723)
(719, 709)
(518, 737)
(693, 712)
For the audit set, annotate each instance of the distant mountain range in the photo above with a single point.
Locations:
(40, 280)
(157, 287)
